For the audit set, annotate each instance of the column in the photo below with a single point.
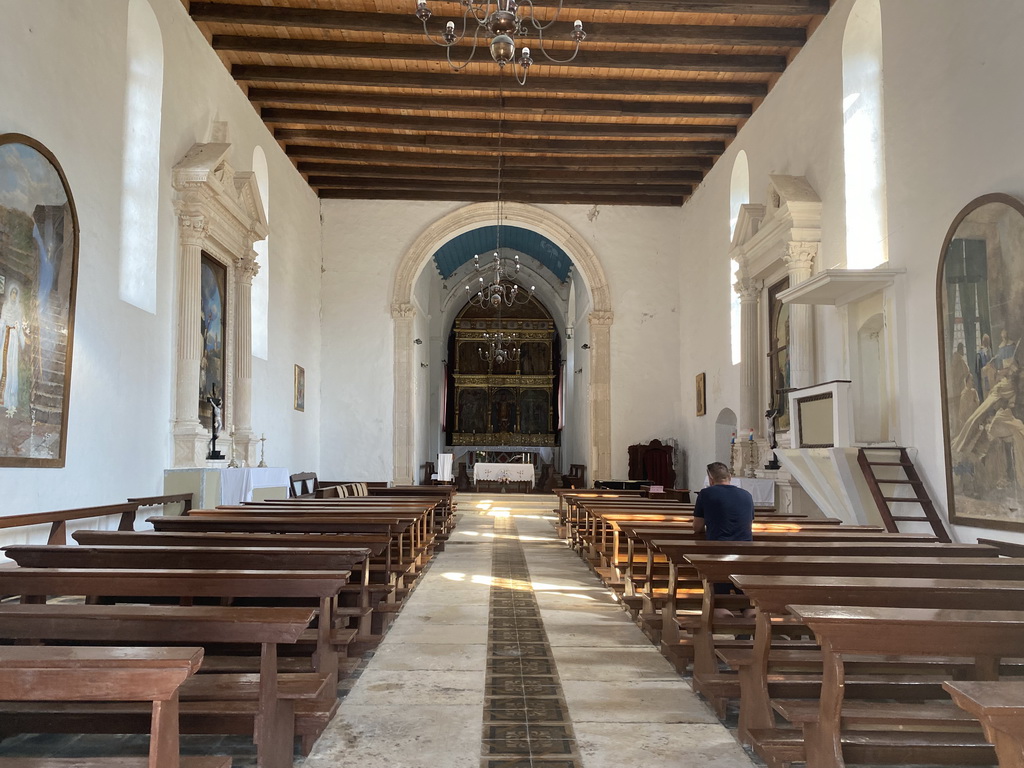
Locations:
(189, 435)
(403, 315)
(750, 408)
(799, 259)
(600, 395)
(244, 444)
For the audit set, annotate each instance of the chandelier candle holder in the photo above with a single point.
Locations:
(501, 289)
(502, 21)
(502, 347)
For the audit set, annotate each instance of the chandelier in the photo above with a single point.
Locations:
(502, 21)
(502, 346)
(499, 289)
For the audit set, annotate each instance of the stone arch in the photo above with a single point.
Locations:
(403, 311)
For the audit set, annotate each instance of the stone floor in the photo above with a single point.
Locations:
(549, 672)
(508, 654)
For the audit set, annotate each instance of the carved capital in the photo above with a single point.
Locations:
(403, 311)
(601, 318)
(247, 267)
(799, 258)
(193, 228)
(748, 289)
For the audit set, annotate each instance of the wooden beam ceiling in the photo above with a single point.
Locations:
(367, 107)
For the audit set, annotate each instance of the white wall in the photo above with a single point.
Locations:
(952, 117)
(62, 78)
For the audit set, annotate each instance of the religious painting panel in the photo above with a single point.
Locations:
(536, 359)
(472, 412)
(534, 409)
(470, 359)
(778, 354)
(503, 410)
(701, 394)
(980, 292)
(212, 363)
(38, 275)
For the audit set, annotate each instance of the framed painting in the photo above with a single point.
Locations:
(300, 388)
(212, 364)
(38, 279)
(778, 354)
(702, 404)
(979, 294)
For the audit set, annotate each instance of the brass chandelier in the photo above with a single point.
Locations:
(502, 21)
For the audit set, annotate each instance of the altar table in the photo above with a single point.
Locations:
(513, 473)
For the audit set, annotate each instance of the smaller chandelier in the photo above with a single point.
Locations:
(502, 347)
(502, 21)
(500, 290)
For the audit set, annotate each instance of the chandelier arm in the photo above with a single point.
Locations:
(472, 52)
(516, 69)
(551, 58)
(533, 19)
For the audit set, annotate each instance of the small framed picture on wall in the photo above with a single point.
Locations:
(300, 388)
(702, 404)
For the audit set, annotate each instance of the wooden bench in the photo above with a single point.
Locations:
(1000, 708)
(262, 705)
(985, 636)
(152, 675)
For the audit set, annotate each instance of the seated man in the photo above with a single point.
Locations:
(724, 512)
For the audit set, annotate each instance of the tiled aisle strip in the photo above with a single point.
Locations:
(526, 721)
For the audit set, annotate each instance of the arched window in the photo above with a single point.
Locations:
(863, 137)
(739, 195)
(261, 283)
(140, 174)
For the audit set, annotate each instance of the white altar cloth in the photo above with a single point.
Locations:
(236, 483)
(515, 473)
(762, 489)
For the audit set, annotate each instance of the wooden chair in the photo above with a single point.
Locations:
(302, 484)
(576, 478)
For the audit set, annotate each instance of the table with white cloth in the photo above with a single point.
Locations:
(762, 489)
(237, 483)
(211, 486)
(517, 474)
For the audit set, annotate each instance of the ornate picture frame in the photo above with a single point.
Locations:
(300, 388)
(702, 404)
(979, 290)
(39, 236)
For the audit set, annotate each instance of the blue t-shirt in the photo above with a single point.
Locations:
(728, 513)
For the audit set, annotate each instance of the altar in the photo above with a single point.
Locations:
(212, 486)
(514, 476)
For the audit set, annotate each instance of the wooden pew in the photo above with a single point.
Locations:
(361, 598)
(997, 586)
(152, 675)
(1000, 708)
(262, 705)
(354, 560)
(317, 587)
(985, 636)
(680, 650)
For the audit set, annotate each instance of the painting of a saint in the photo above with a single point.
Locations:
(981, 281)
(211, 325)
(38, 263)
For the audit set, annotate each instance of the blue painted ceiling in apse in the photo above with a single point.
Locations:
(463, 248)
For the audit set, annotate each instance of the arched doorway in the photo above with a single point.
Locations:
(404, 312)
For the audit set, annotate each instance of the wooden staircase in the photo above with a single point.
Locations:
(897, 458)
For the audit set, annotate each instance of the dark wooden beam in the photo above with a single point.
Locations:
(452, 81)
(489, 160)
(408, 24)
(525, 197)
(487, 144)
(631, 60)
(510, 188)
(326, 171)
(514, 105)
(272, 115)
